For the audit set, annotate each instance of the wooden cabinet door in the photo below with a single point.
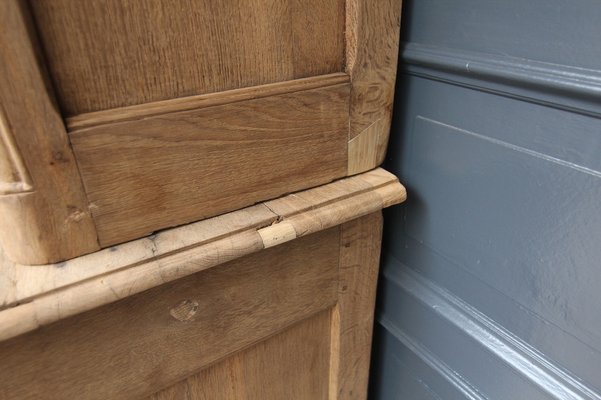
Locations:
(131, 116)
(291, 322)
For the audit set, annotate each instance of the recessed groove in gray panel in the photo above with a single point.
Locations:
(553, 31)
(503, 214)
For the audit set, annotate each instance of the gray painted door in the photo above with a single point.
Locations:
(491, 275)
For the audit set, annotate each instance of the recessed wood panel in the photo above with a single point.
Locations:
(292, 322)
(146, 342)
(292, 365)
(114, 53)
(144, 175)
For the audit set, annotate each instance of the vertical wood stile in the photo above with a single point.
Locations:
(48, 220)
(372, 43)
(352, 319)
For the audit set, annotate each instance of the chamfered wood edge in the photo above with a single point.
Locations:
(162, 259)
(14, 177)
(367, 149)
(131, 113)
(43, 208)
(372, 45)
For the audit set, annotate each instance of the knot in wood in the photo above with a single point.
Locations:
(185, 311)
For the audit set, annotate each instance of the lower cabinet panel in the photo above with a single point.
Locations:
(290, 322)
(293, 364)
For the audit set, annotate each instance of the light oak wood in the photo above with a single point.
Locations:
(368, 148)
(293, 321)
(135, 347)
(291, 365)
(14, 177)
(116, 53)
(179, 113)
(157, 172)
(136, 112)
(372, 43)
(21, 283)
(43, 208)
(35, 296)
(353, 316)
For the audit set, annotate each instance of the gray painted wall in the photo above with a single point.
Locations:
(491, 274)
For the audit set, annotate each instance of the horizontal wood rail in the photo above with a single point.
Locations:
(88, 120)
(34, 296)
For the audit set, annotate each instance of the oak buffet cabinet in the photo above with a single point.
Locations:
(120, 118)
(190, 204)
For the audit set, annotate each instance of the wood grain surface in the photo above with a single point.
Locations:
(179, 111)
(35, 296)
(291, 365)
(135, 347)
(44, 214)
(353, 316)
(367, 149)
(157, 172)
(372, 45)
(145, 110)
(14, 176)
(159, 137)
(115, 53)
(22, 283)
(276, 323)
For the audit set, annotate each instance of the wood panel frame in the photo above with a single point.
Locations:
(35, 296)
(48, 219)
(158, 171)
(86, 356)
(296, 360)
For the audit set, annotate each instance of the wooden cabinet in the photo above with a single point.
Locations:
(119, 118)
(274, 301)
(189, 201)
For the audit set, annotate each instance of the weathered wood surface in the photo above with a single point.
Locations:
(353, 315)
(20, 283)
(115, 53)
(34, 296)
(372, 45)
(145, 110)
(294, 321)
(171, 169)
(291, 365)
(149, 341)
(14, 176)
(43, 208)
(161, 135)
